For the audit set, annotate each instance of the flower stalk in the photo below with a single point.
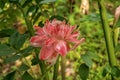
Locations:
(56, 67)
(63, 67)
(31, 33)
(108, 36)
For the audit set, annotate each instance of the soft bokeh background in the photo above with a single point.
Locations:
(92, 52)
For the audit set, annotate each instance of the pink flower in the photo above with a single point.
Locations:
(55, 39)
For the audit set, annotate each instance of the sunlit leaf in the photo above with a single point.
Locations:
(5, 50)
(83, 71)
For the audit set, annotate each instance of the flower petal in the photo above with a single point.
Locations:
(80, 41)
(39, 30)
(46, 52)
(61, 48)
(52, 59)
(37, 41)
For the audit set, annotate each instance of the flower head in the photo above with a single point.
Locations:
(55, 39)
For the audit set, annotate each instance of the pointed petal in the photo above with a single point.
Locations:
(52, 59)
(61, 48)
(76, 45)
(34, 41)
(46, 52)
(37, 41)
(49, 41)
(39, 30)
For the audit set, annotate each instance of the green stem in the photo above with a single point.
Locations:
(108, 36)
(27, 21)
(63, 67)
(42, 66)
(56, 67)
(31, 32)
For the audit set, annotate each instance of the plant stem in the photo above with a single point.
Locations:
(42, 66)
(108, 36)
(31, 32)
(56, 67)
(63, 67)
(27, 21)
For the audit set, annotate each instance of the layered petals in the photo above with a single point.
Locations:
(55, 38)
(46, 53)
(61, 48)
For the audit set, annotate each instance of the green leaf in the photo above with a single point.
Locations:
(10, 76)
(12, 58)
(46, 1)
(31, 9)
(27, 76)
(17, 40)
(23, 67)
(6, 32)
(87, 59)
(115, 71)
(26, 3)
(34, 61)
(83, 71)
(106, 70)
(58, 17)
(37, 17)
(5, 50)
(25, 52)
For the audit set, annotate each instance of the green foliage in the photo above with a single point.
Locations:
(15, 46)
(17, 40)
(83, 71)
(27, 76)
(6, 33)
(24, 67)
(115, 71)
(6, 50)
(88, 57)
(12, 58)
(10, 76)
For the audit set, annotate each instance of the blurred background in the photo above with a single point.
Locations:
(17, 15)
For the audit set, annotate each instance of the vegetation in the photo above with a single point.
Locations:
(97, 58)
